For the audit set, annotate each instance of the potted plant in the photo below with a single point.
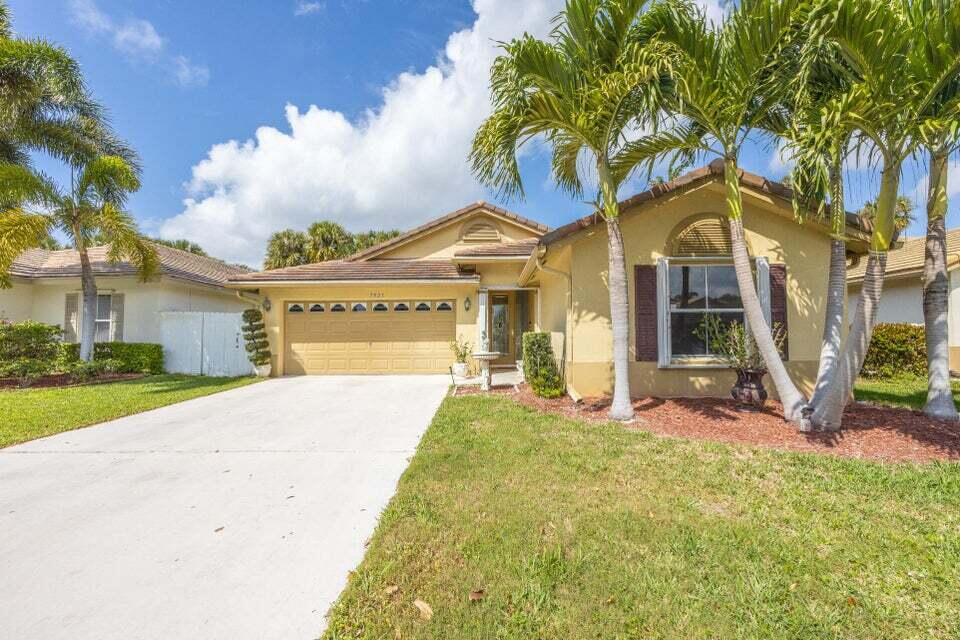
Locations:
(257, 346)
(461, 351)
(731, 342)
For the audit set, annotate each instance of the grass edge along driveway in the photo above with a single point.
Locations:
(575, 530)
(28, 414)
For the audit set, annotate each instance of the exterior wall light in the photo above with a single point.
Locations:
(266, 304)
(466, 303)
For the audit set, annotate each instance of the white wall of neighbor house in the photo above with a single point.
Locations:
(44, 301)
(902, 301)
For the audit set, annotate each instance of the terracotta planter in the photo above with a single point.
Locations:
(749, 390)
(460, 369)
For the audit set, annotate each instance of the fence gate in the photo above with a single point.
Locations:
(204, 343)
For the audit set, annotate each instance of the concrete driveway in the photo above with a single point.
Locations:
(233, 516)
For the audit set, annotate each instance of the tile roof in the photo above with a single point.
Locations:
(709, 172)
(372, 270)
(40, 263)
(436, 222)
(518, 249)
(907, 259)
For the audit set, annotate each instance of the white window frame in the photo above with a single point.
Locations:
(665, 359)
(109, 322)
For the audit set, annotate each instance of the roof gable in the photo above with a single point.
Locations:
(485, 233)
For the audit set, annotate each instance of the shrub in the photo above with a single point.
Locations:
(540, 365)
(81, 371)
(255, 335)
(461, 349)
(896, 349)
(129, 357)
(28, 350)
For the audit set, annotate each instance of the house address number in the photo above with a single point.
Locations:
(376, 294)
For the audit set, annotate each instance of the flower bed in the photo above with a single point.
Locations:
(870, 431)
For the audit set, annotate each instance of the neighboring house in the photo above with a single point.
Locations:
(488, 275)
(46, 288)
(902, 299)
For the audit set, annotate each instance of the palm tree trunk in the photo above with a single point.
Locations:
(89, 315)
(791, 398)
(828, 413)
(836, 291)
(936, 290)
(622, 406)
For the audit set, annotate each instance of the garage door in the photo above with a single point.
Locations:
(398, 336)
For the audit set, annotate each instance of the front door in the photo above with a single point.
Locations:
(501, 328)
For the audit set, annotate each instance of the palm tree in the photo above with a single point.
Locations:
(328, 241)
(367, 239)
(45, 106)
(875, 39)
(902, 213)
(935, 59)
(730, 83)
(287, 248)
(585, 90)
(92, 206)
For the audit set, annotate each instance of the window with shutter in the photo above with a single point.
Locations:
(71, 318)
(116, 317)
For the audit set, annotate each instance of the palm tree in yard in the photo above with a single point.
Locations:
(287, 248)
(585, 90)
(92, 207)
(935, 61)
(730, 83)
(328, 241)
(887, 97)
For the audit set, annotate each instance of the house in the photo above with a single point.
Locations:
(46, 288)
(902, 299)
(488, 275)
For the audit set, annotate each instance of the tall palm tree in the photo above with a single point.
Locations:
(45, 106)
(367, 239)
(935, 60)
(875, 40)
(287, 248)
(328, 241)
(730, 84)
(585, 90)
(92, 206)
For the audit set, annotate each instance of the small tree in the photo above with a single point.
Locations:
(255, 335)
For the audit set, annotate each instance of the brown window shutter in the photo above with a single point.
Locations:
(71, 317)
(778, 304)
(645, 311)
(116, 317)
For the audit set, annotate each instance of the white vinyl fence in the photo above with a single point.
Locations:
(203, 343)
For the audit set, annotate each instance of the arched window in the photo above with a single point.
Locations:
(317, 307)
(444, 306)
(701, 236)
(423, 306)
(381, 306)
(295, 307)
(338, 307)
(401, 306)
(359, 307)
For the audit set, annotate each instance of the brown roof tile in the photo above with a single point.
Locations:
(907, 259)
(40, 263)
(436, 222)
(375, 270)
(518, 249)
(709, 172)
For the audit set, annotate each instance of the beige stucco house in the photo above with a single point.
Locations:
(487, 275)
(903, 287)
(46, 288)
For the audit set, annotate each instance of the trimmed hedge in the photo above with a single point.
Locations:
(895, 350)
(129, 357)
(540, 365)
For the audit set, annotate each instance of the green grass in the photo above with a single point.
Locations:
(579, 530)
(34, 413)
(908, 391)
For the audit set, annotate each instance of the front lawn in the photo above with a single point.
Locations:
(576, 530)
(34, 413)
(908, 391)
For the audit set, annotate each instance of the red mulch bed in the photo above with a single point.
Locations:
(63, 380)
(869, 431)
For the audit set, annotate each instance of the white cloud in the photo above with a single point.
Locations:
(397, 165)
(137, 39)
(780, 161)
(189, 74)
(306, 8)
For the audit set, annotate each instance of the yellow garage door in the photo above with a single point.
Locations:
(401, 336)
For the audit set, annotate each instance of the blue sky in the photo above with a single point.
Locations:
(256, 116)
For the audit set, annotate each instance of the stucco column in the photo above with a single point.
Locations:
(483, 340)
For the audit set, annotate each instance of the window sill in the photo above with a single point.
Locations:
(696, 363)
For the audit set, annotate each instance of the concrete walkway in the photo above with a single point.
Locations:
(233, 516)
